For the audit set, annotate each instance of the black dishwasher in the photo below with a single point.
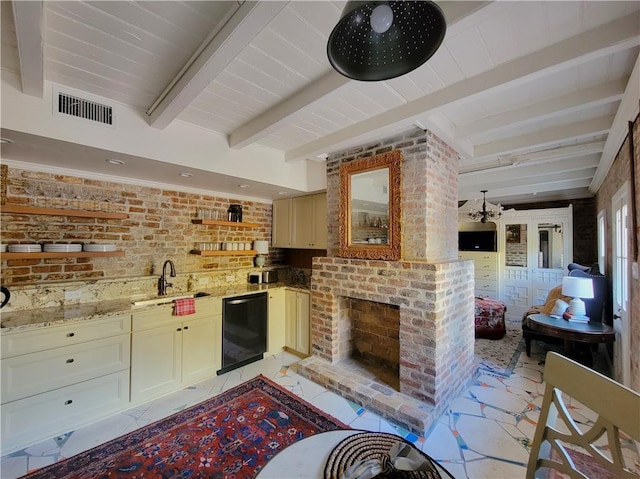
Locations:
(244, 330)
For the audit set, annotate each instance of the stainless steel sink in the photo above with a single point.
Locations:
(167, 299)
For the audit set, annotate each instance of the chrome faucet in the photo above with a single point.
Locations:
(163, 284)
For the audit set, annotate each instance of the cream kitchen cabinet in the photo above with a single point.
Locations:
(297, 317)
(300, 222)
(276, 330)
(55, 379)
(281, 230)
(169, 352)
(309, 228)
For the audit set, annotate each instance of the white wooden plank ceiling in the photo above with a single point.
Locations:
(527, 92)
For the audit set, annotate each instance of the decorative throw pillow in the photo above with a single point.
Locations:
(554, 294)
(559, 308)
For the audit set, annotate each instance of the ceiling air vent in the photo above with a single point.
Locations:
(85, 109)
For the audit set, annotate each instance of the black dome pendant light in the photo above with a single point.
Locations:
(379, 40)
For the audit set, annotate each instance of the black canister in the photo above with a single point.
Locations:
(235, 213)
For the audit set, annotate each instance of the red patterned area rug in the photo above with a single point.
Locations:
(232, 436)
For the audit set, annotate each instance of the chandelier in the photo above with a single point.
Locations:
(486, 214)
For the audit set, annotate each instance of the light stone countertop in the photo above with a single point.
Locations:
(43, 317)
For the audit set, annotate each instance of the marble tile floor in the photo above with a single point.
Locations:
(484, 434)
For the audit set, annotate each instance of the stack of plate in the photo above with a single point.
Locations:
(99, 247)
(25, 248)
(62, 248)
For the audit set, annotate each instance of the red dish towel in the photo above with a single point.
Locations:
(184, 306)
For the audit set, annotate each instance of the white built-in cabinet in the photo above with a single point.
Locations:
(169, 352)
(276, 331)
(300, 222)
(533, 251)
(535, 248)
(297, 337)
(58, 377)
(485, 272)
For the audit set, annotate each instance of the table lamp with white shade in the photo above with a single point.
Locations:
(577, 288)
(262, 249)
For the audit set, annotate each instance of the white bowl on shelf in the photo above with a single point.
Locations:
(3, 248)
(62, 248)
(25, 248)
(99, 248)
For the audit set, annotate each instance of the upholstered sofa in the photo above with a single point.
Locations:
(595, 306)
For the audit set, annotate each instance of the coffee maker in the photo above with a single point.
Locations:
(235, 213)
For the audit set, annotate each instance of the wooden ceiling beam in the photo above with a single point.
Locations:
(289, 108)
(545, 110)
(248, 20)
(615, 36)
(546, 138)
(29, 24)
(628, 110)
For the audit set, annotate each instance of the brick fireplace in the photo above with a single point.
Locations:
(431, 290)
(374, 337)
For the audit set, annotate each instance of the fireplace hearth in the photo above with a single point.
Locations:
(433, 303)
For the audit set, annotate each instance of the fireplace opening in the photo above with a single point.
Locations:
(375, 339)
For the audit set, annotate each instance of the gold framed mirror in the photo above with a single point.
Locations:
(370, 207)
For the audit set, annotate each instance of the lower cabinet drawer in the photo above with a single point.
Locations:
(45, 415)
(35, 373)
(39, 339)
(486, 284)
(482, 275)
(483, 293)
(485, 266)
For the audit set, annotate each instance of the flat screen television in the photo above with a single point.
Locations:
(477, 241)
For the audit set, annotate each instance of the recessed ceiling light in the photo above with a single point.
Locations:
(282, 192)
(115, 161)
(244, 186)
(5, 140)
(184, 174)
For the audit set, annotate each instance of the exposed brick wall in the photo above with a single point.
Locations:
(433, 290)
(436, 318)
(158, 227)
(429, 194)
(375, 329)
(618, 174)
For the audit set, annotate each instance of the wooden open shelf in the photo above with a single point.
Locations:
(226, 223)
(225, 253)
(35, 210)
(78, 254)
(361, 228)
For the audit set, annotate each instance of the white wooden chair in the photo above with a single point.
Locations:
(558, 437)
